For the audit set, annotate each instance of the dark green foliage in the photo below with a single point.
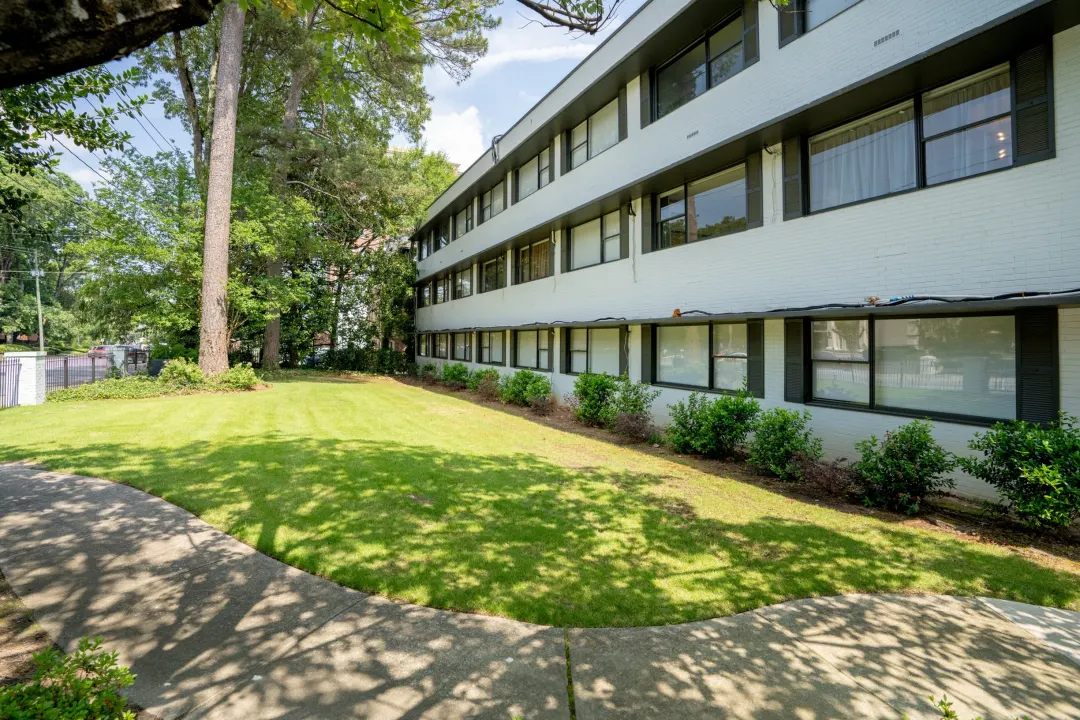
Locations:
(593, 395)
(82, 686)
(379, 361)
(430, 372)
(113, 389)
(455, 376)
(1036, 468)
(712, 427)
(167, 351)
(182, 372)
(783, 442)
(524, 388)
(485, 382)
(238, 377)
(629, 411)
(900, 471)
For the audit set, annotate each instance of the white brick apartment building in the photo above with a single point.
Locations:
(869, 208)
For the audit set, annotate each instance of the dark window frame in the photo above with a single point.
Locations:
(798, 9)
(702, 39)
(603, 260)
(587, 122)
(549, 333)
(871, 406)
(454, 235)
(481, 347)
(488, 196)
(657, 222)
(435, 349)
(458, 295)
(654, 357)
(443, 283)
(468, 346)
(500, 274)
(549, 269)
(421, 302)
(568, 351)
(542, 174)
(423, 344)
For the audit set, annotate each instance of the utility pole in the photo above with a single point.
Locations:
(37, 291)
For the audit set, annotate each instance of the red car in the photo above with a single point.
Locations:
(100, 351)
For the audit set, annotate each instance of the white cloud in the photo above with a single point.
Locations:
(459, 134)
(549, 53)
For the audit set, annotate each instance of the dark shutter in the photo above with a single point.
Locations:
(551, 161)
(550, 256)
(1033, 116)
(646, 98)
(551, 348)
(754, 212)
(512, 355)
(623, 123)
(793, 178)
(505, 187)
(565, 250)
(624, 349)
(794, 362)
(750, 32)
(791, 21)
(514, 189)
(480, 207)
(624, 231)
(1037, 364)
(647, 228)
(564, 164)
(646, 353)
(564, 351)
(755, 357)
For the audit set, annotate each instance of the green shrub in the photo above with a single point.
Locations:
(85, 685)
(181, 371)
(1036, 468)
(430, 372)
(593, 395)
(782, 442)
(900, 471)
(126, 388)
(455, 376)
(712, 427)
(524, 388)
(238, 377)
(629, 411)
(485, 382)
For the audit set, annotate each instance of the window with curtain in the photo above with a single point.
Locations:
(597, 134)
(729, 356)
(818, 11)
(868, 158)
(534, 262)
(840, 356)
(442, 345)
(493, 275)
(463, 346)
(716, 58)
(533, 349)
(706, 208)
(491, 347)
(682, 355)
(585, 244)
(594, 350)
(967, 126)
(463, 283)
(954, 365)
(528, 178)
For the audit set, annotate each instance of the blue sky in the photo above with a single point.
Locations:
(524, 61)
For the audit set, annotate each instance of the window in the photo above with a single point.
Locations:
(463, 222)
(493, 202)
(716, 58)
(442, 342)
(598, 133)
(491, 347)
(729, 354)
(442, 290)
(493, 275)
(868, 158)
(594, 350)
(528, 178)
(967, 126)
(534, 262)
(423, 299)
(533, 349)
(423, 345)
(463, 346)
(426, 244)
(954, 366)
(706, 208)
(595, 242)
(443, 234)
(463, 283)
(683, 355)
(840, 355)
(818, 11)
(544, 170)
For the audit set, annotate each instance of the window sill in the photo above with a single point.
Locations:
(699, 388)
(595, 265)
(899, 412)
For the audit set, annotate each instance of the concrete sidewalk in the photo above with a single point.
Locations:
(214, 629)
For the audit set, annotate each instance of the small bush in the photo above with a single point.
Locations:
(455, 376)
(182, 372)
(712, 427)
(782, 441)
(485, 383)
(523, 387)
(593, 395)
(629, 411)
(429, 372)
(136, 386)
(238, 377)
(900, 471)
(834, 478)
(1035, 468)
(84, 685)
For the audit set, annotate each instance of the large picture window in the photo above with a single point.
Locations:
(950, 366)
(704, 66)
(463, 283)
(594, 350)
(442, 345)
(493, 274)
(491, 347)
(595, 135)
(493, 202)
(715, 356)
(682, 355)
(595, 242)
(532, 349)
(706, 208)
(534, 262)
(868, 158)
(463, 346)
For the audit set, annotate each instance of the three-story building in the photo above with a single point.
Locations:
(866, 207)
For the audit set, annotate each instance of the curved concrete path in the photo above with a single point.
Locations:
(214, 629)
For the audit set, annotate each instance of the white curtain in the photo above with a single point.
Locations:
(527, 179)
(585, 244)
(604, 128)
(604, 351)
(872, 157)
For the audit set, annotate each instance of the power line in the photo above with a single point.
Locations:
(124, 93)
(135, 117)
(93, 170)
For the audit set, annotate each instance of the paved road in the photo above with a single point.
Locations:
(214, 629)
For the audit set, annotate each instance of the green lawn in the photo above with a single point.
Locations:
(416, 495)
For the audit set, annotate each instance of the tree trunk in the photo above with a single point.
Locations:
(213, 330)
(183, 73)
